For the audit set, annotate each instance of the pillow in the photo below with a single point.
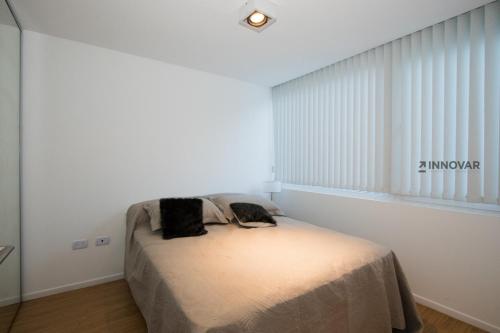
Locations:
(153, 210)
(250, 215)
(181, 217)
(211, 214)
(223, 201)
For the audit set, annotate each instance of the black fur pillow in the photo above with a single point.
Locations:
(250, 215)
(181, 217)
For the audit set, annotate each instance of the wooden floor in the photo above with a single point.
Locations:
(104, 308)
(436, 322)
(7, 313)
(110, 308)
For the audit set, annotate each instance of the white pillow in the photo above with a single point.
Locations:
(211, 214)
(153, 210)
(223, 201)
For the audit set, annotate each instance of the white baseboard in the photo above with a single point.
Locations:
(72, 286)
(9, 300)
(457, 314)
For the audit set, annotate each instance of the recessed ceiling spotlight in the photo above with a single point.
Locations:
(257, 19)
(257, 14)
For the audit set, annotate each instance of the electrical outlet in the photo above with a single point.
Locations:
(80, 244)
(100, 241)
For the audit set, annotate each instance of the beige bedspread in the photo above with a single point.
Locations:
(292, 278)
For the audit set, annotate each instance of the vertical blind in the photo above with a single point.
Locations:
(367, 122)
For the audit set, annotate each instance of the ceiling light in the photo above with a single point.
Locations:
(258, 14)
(257, 19)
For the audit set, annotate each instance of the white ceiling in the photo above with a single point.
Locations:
(5, 16)
(205, 34)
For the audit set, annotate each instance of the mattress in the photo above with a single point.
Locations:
(295, 277)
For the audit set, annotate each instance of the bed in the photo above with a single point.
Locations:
(296, 277)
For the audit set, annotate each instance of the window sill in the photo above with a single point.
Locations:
(450, 205)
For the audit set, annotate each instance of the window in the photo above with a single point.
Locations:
(417, 116)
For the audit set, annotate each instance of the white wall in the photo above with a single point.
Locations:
(103, 129)
(9, 156)
(451, 258)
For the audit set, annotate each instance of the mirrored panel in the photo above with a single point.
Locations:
(10, 259)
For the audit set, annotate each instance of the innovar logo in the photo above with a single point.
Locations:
(448, 165)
